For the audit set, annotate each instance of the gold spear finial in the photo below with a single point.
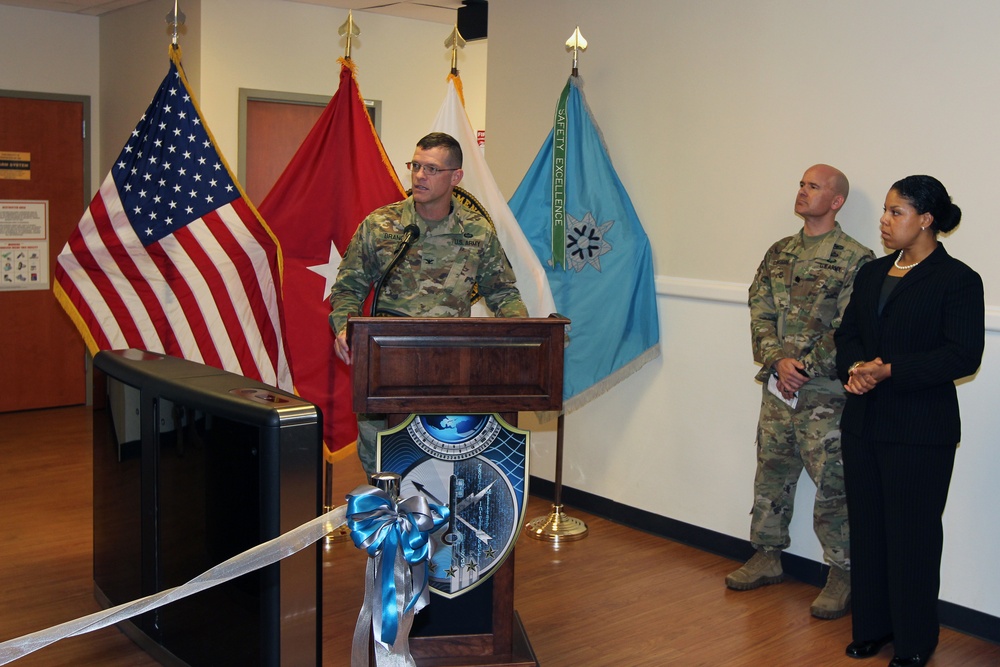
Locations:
(454, 41)
(576, 43)
(350, 30)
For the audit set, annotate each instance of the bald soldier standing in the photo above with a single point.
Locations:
(796, 300)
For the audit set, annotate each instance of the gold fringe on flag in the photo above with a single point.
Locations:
(458, 87)
(349, 64)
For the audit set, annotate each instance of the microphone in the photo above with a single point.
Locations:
(410, 234)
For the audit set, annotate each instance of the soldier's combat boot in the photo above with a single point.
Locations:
(762, 569)
(835, 599)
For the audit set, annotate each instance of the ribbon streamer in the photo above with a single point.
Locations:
(396, 537)
(252, 559)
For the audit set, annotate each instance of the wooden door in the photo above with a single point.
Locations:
(42, 357)
(274, 132)
(273, 125)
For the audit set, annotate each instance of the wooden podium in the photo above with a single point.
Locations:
(404, 366)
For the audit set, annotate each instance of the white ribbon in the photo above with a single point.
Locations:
(252, 559)
(388, 528)
(369, 623)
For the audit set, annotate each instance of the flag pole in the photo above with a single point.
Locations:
(175, 19)
(557, 526)
(350, 30)
(454, 41)
(576, 43)
(342, 533)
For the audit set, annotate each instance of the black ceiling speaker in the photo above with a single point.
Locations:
(473, 17)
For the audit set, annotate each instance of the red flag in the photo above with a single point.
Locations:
(339, 175)
(171, 257)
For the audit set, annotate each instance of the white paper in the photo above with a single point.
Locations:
(772, 386)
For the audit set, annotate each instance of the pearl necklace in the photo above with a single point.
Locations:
(901, 267)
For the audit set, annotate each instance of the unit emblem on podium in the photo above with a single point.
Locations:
(476, 465)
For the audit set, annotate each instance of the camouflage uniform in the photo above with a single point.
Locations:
(796, 300)
(434, 279)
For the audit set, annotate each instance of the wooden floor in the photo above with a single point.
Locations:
(619, 598)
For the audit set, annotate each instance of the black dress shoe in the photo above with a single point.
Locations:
(867, 649)
(918, 660)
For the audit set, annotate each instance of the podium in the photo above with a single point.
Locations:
(404, 366)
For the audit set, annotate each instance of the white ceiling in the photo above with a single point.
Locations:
(439, 11)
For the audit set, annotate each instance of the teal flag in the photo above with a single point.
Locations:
(604, 282)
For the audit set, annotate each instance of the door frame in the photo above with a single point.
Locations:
(374, 108)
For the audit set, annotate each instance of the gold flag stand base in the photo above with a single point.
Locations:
(556, 527)
(342, 533)
(339, 534)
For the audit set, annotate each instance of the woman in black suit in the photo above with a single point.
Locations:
(914, 325)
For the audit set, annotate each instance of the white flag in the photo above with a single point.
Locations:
(478, 181)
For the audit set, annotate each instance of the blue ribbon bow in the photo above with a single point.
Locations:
(385, 528)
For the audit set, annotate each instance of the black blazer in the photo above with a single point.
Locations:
(932, 330)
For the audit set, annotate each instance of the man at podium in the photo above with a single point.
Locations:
(428, 255)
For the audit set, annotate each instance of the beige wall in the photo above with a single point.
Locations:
(52, 53)
(231, 44)
(135, 45)
(293, 47)
(711, 110)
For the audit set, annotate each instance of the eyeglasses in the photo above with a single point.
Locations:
(428, 169)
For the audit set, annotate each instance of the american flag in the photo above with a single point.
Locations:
(171, 257)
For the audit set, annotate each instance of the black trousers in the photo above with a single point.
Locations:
(896, 495)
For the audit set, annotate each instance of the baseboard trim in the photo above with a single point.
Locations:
(961, 619)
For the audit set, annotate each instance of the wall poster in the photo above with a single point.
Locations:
(24, 245)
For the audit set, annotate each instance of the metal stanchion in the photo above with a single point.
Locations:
(557, 527)
(389, 482)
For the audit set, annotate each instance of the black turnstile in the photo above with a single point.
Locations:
(194, 465)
